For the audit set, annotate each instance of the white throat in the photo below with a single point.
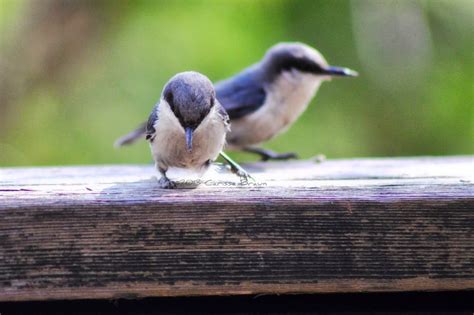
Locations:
(290, 94)
(169, 147)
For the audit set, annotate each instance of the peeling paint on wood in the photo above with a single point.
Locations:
(339, 226)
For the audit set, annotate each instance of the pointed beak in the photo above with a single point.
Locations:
(189, 139)
(339, 72)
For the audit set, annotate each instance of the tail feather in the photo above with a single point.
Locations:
(132, 136)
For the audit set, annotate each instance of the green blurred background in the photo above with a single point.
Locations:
(75, 75)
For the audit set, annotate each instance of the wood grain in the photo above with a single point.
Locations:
(338, 226)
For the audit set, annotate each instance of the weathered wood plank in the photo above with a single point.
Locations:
(339, 226)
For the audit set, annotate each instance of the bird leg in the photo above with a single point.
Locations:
(236, 168)
(164, 181)
(267, 155)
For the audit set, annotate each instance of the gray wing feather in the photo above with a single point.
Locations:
(242, 94)
(150, 125)
(223, 113)
(131, 137)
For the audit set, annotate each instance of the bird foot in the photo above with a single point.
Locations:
(244, 176)
(166, 183)
(235, 168)
(267, 155)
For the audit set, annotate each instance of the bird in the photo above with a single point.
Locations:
(187, 127)
(265, 99)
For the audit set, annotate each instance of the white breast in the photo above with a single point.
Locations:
(169, 146)
(286, 100)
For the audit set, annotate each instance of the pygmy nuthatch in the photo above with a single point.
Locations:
(264, 99)
(187, 127)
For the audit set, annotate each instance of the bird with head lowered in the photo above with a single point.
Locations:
(187, 127)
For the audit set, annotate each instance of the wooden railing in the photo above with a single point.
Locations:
(404, 224)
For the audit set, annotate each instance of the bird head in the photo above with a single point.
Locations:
(300, 58)
(190, 96)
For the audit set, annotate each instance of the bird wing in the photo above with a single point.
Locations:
(223, 113)
(242, 94)
(150, 125)
(131, 137)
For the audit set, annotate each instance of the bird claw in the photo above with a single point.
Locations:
(235, 168)
(267, 155)
(166, 183)
(244, 176)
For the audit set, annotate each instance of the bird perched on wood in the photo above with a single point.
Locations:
(187, 127)
(266, 98)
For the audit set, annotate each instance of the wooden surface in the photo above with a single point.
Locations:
(304, 227)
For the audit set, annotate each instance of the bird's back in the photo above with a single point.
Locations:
(243, 93)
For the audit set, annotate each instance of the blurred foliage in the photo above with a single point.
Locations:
(414, 95)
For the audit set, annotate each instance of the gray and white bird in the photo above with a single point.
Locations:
(187, 127)
(266, 98)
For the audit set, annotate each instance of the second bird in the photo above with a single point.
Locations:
(266, 98)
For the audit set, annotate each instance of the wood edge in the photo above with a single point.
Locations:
(142, 290)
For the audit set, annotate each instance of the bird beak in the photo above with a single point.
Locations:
(189, 139)
(339, 72)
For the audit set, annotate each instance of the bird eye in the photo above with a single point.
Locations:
(212, 101)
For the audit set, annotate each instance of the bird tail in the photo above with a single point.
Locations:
(132, 136)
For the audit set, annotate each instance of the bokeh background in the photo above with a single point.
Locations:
(76, 74)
